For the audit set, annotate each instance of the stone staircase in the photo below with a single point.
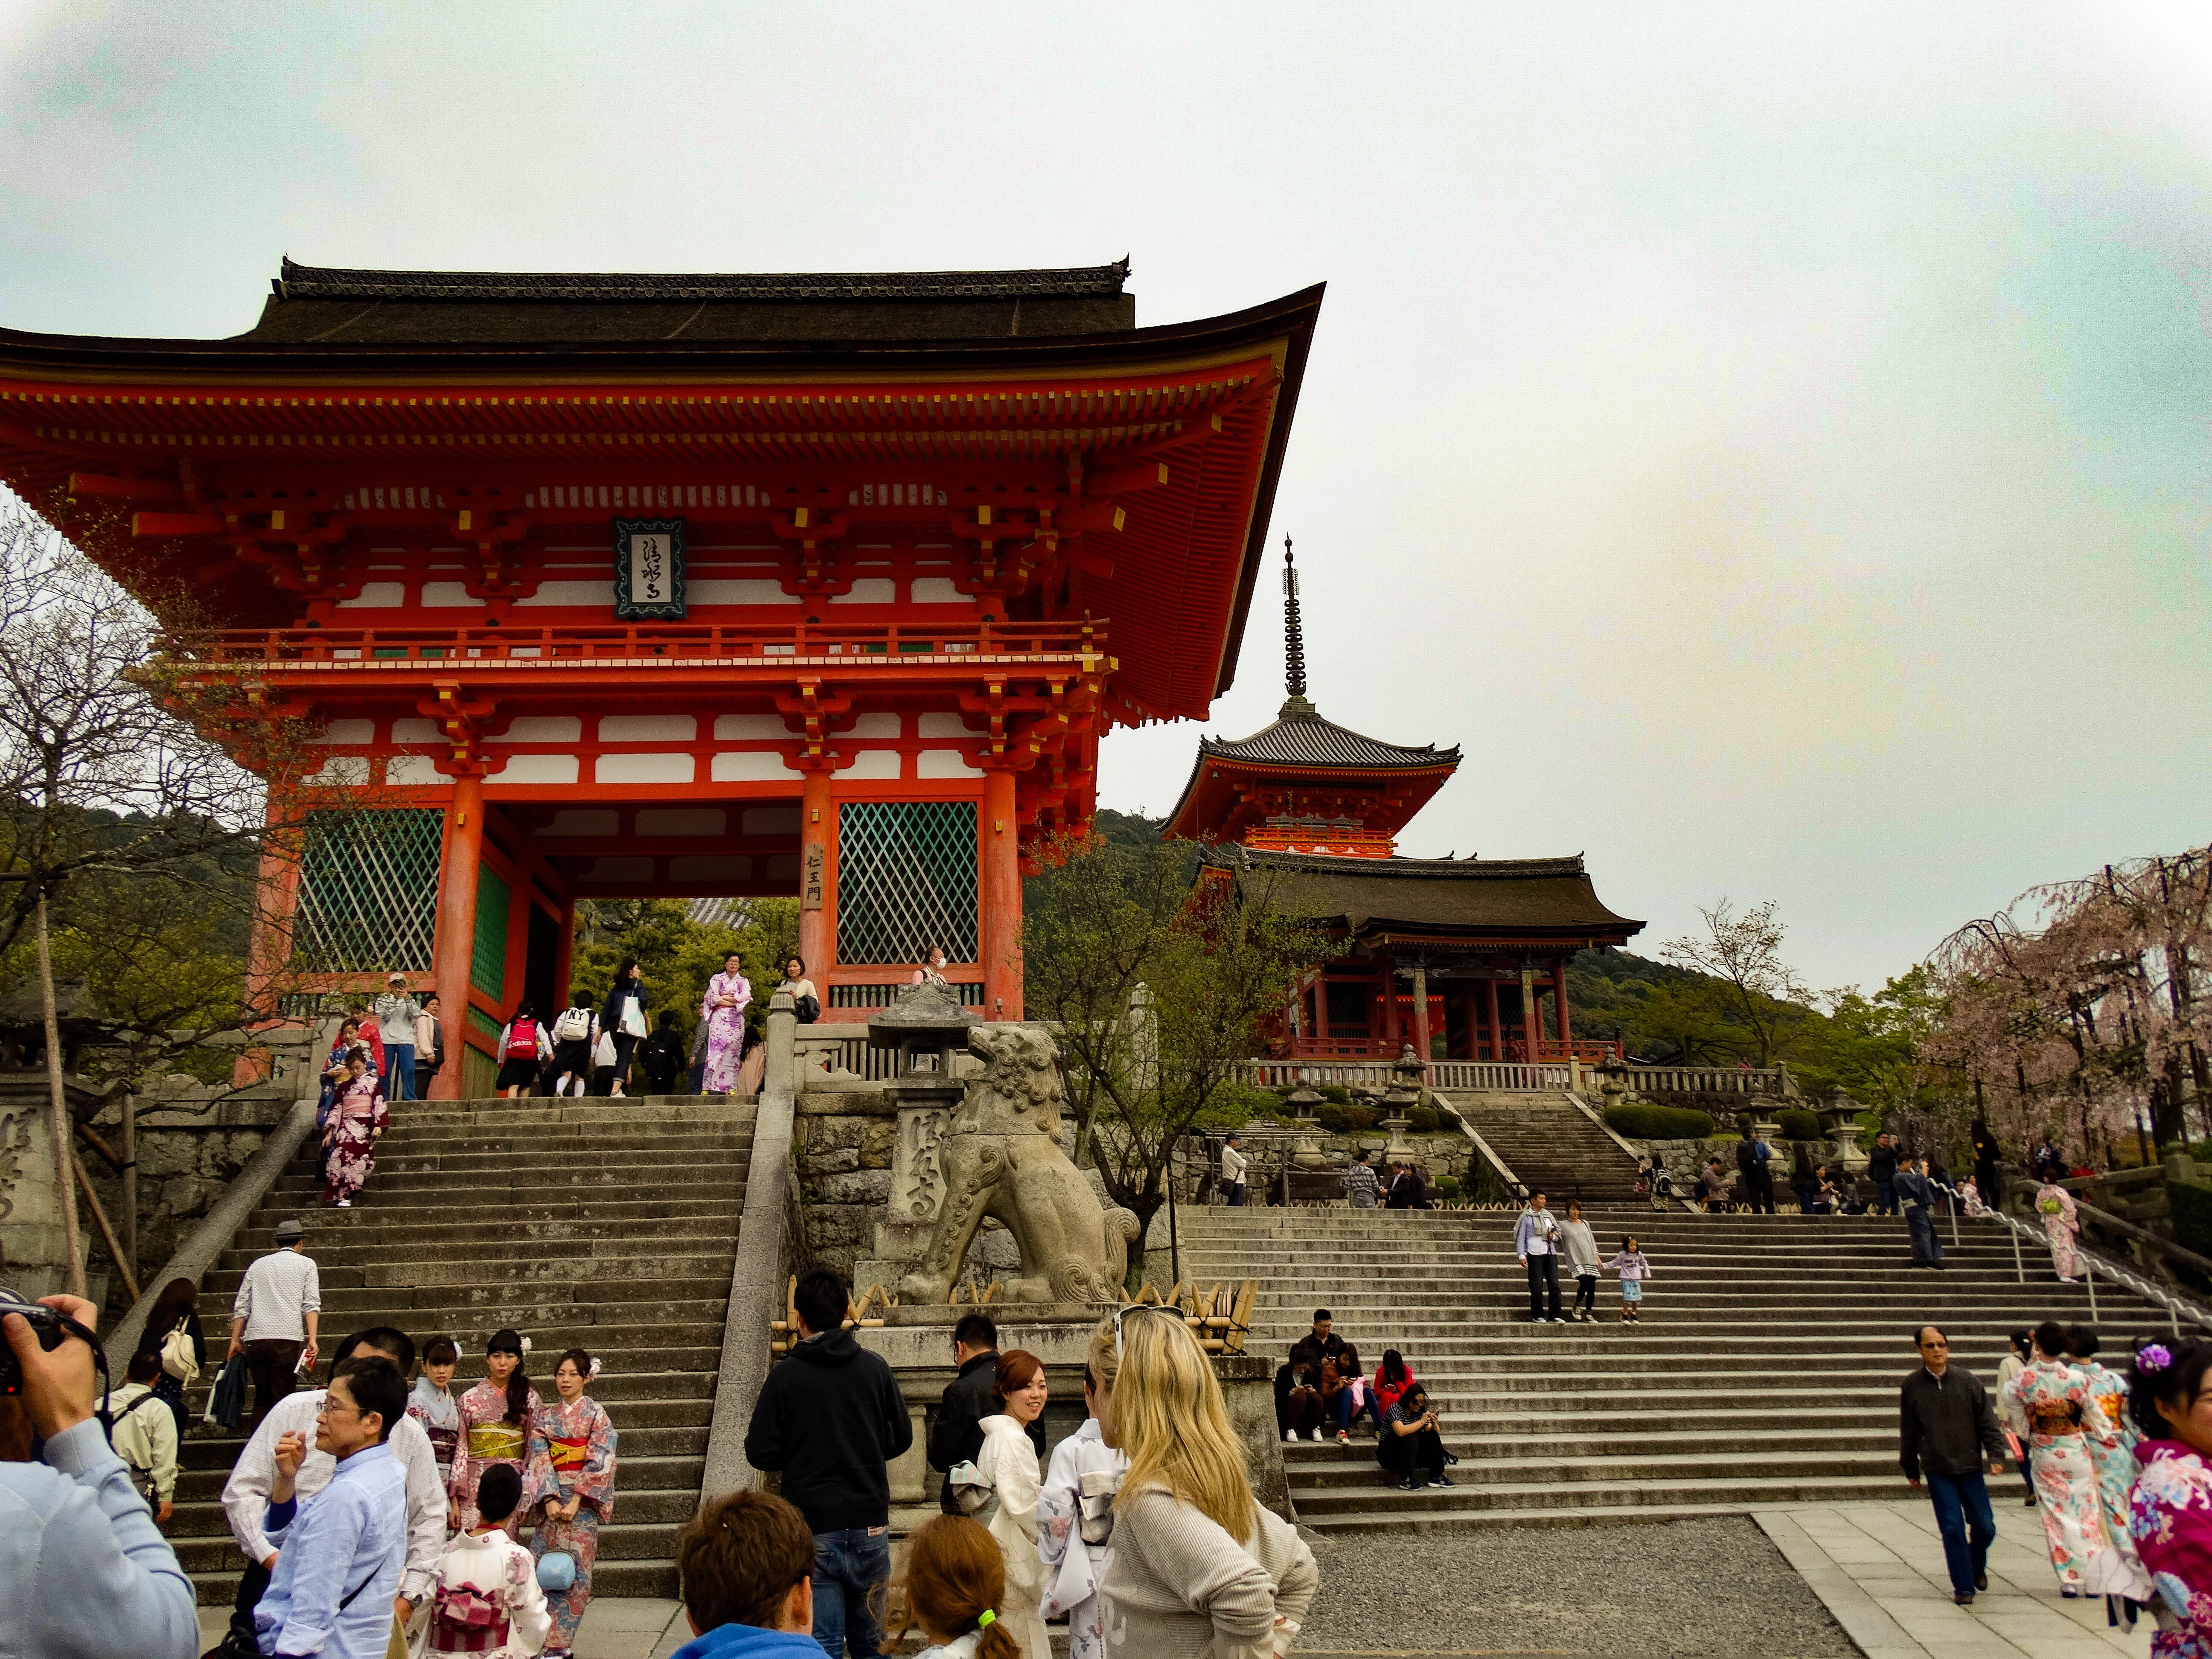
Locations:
(1550, 1146)
(610, 1225)
(1765, 1369)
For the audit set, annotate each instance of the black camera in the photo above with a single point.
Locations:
(50, 1326)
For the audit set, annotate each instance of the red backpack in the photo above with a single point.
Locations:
(522, 1040)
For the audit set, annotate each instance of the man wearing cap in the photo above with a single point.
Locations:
(273, 1320)
(397, 1011)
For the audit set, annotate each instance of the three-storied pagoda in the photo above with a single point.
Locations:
(624, 585)
(1478, 941)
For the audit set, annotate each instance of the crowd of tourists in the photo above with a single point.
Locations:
(1323, 1385)
(2116, 1458)
(1142, 1521)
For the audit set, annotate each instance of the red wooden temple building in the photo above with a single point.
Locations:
(1454, 957)
(702, 585)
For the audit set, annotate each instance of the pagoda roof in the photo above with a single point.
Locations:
(1303, 745)
(335, 304)
(1464, 902)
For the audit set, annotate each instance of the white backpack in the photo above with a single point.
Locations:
(574, 1026)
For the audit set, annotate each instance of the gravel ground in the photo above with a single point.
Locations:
(1693, 1589)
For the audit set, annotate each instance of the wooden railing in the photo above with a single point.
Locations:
(634, 642)
(1711, 1080)
(1504, 1075)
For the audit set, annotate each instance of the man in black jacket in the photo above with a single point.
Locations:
(957, 1434)
(831, 1418)
(1944, 1425)
(1881, 1169)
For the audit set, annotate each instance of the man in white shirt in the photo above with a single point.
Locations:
(273, 1319)
(396, 1014)
(245, 1495)
(1536, 1242)
(1233, 1165)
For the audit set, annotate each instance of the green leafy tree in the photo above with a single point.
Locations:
(679, 953)
(1750, 984)
(1160, 990)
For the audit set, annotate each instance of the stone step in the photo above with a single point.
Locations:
(428, 1211)
(1425, 1517)
(645, 1541)
(357, 1240)
(653, 1578)
(1318, 1507)
(465, 1191)
(1328, 1464)
(200, 1490)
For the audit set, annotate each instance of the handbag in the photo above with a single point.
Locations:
(556, 1572)
(227, 1399)
(806, 1009)
(632, 1019)
(604, 1052)
(178, 1358)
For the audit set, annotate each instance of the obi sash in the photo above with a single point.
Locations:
(442, 1445)
(494, 1443)
(568, 1453)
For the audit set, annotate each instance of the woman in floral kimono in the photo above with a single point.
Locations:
(2060, 1223)
(432, 1404)
(334, 1067)
(495, 1426)
(2170, 1510)
(358, 1116)
(572, 1445)
(724, 1011)
(2054, 1397)
(2111, 1437)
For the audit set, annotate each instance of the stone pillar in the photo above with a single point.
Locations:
(1001, 892)
(457, 926)
(1494, 1038)
(31, 1227)
(817, 876)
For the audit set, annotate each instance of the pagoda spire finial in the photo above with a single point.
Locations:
(1294, 637)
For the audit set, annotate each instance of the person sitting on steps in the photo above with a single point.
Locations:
(1298, 1399)
(1411, 1446)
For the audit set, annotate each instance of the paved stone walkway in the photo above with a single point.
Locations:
(1879, 1569)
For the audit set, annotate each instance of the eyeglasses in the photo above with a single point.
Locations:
(332, 1404)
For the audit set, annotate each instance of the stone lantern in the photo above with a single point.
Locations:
(1304, 1102)
(1840, 1115)
(928, 1026)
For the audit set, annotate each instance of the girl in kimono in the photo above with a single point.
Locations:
(2111, 1437)
(2060, 1224)
(1008, 1464)
(2054, 1397)
(724, 1011)
(2170, 1509)
(1082, 1465)
(358, 1117)
(572, 1447)
(334, 1067)
(431, 1405)
(495, 1427)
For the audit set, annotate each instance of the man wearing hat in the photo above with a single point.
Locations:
(273, 1320)
(397, 1011)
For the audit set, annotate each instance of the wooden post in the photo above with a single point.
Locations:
(1001, 888)
(457, 926)
(1421, 1009)
(64, 1148)
(817, 864)
(1559, 996)
(1387, 969)
(1532, 1023)
(1495, 1037)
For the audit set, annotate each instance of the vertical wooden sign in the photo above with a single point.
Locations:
(813, 874)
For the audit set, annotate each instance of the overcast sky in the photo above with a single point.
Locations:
(1773, 443)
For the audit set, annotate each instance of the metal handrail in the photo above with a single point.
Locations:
(2174, 1306)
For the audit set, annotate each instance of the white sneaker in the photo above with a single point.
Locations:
(1317, 1436)
(343, 1204)
(1290, 1437)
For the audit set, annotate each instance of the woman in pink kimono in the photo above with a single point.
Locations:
(572, 1453)
(495, 1427)
(724, 1011)
(357, 1117)
(2054, 1400)
(2170, 1509)
(2111, 1437)
(2060, 1224)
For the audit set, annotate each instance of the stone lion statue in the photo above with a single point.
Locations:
(1001, 1157)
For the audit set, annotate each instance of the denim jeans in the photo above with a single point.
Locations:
(1235, 1191)
(849, 1568)
(399, 1071)
(1961, 1500)
(1885, 1202)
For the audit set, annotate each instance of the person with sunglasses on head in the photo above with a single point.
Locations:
(86, 1574)
(1197, 1567)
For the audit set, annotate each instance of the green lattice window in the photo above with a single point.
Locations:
(906, 880)
(488, 952)
(368, 891)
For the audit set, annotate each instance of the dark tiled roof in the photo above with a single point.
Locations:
(324, 282)
(1300, 736)
(1463, 898)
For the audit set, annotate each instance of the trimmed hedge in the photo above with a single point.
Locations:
(1346, 1119)
(1421, 1120)
(1798, 1124)
(1647, 1122)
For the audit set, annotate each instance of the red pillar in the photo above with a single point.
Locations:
(1559, 996)
(1494, 1037)
(817, 898)
(1002, 897)
(1421, 1011)
(457, 926)
(1387, 973)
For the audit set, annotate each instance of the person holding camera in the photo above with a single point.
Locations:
(84, 1573)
